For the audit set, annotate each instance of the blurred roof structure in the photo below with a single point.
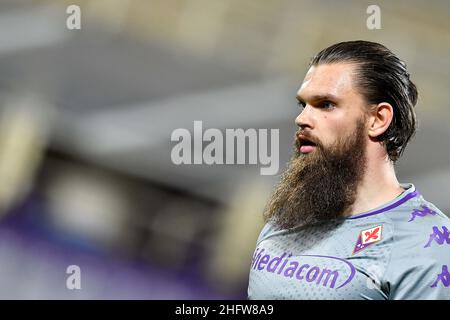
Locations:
(138, 70)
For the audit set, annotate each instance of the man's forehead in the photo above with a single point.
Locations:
(333, 79)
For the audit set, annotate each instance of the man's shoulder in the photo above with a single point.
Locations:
(417, 213)
(271, 230)
(268, 230)
(419, 251)
(420, 229)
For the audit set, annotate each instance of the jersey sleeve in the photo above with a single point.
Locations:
(419, 264)
(265, 231)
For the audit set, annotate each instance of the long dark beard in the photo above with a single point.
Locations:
(320, 186)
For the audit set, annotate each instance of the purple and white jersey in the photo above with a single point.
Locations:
(400, 250)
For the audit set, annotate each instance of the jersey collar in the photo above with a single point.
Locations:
(409, 193)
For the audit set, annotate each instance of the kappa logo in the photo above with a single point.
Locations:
(368, 237)
(444, 277)
(421, 213)
(440, 237)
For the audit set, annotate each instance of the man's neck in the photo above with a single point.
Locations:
(378, 186)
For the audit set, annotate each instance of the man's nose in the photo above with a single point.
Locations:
(304, 119)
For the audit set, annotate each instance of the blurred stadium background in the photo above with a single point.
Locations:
(86, 117)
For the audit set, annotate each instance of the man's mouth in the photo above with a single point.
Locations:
(305, 145)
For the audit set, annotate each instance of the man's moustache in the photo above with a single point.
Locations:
(307, 136)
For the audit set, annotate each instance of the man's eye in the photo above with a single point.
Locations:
(327, 105)
(301, 104)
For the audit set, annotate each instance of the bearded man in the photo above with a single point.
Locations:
(339, 225)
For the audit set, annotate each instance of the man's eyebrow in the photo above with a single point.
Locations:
(319, 97)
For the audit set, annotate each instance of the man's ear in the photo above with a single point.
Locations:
(380, 117)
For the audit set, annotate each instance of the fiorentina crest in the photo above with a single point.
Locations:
(368, 237)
